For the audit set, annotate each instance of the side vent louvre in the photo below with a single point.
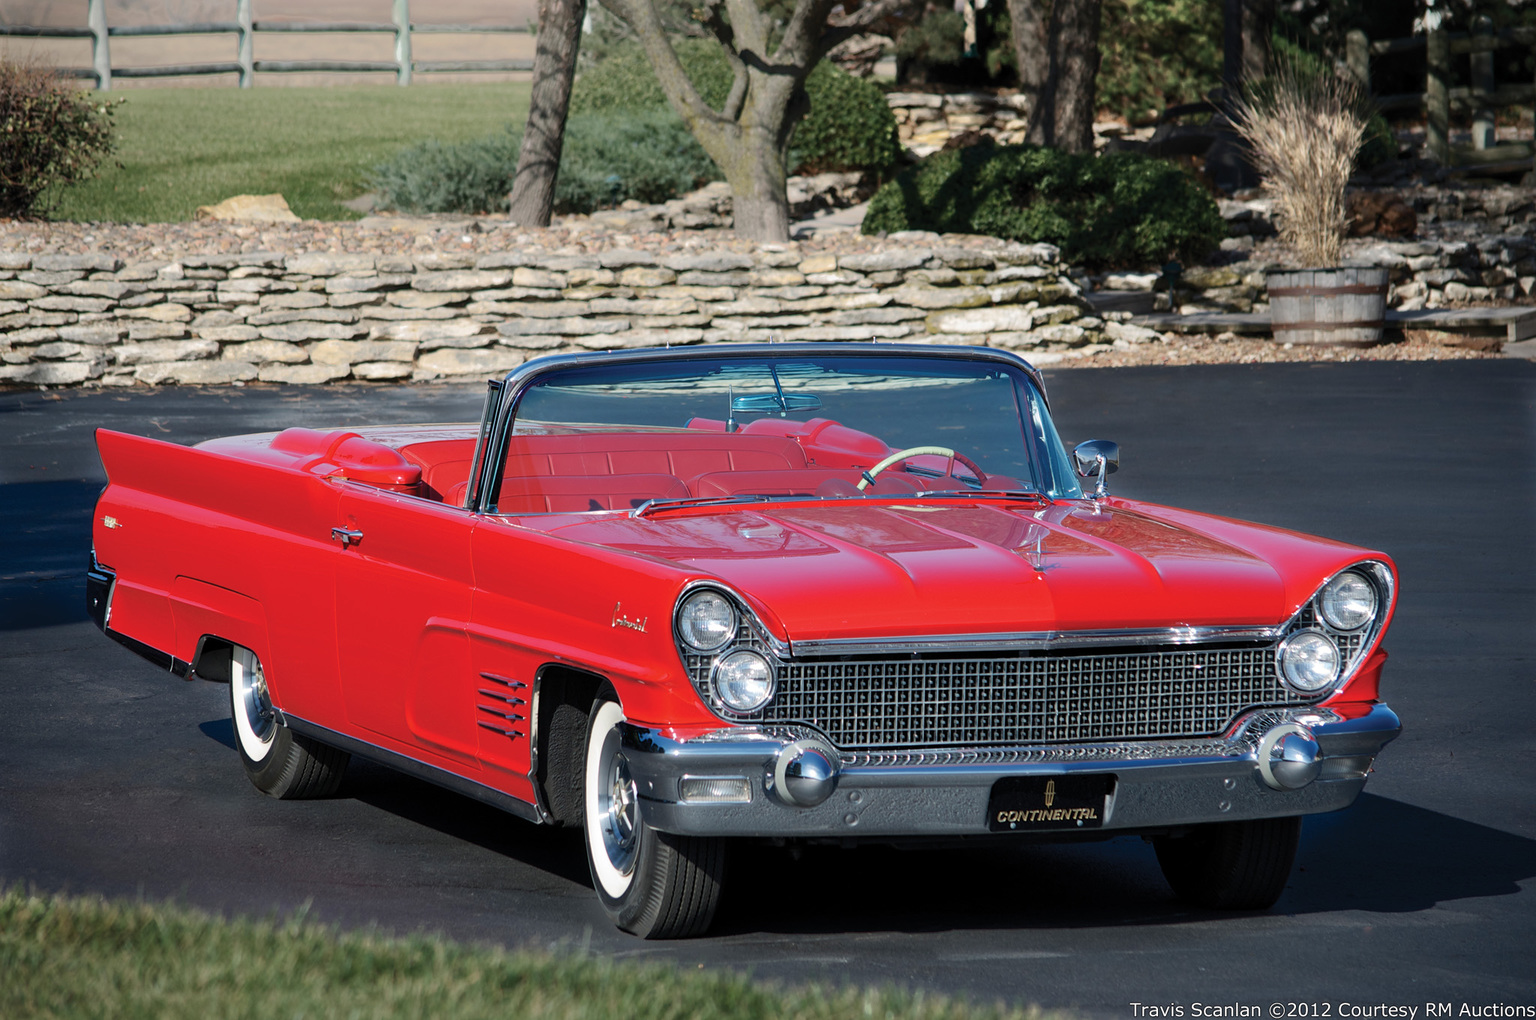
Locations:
(501, 707)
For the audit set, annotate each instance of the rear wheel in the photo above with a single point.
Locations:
(278, 761)
(653, 884)
(1231, 865)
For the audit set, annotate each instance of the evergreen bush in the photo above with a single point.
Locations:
(849, 126)
(1120, 209)
(51, 134)
(646, 155)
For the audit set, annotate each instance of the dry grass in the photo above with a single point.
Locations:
(1305, 129)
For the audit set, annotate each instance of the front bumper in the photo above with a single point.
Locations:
(1156, 785)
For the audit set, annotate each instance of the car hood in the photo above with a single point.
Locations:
(824, 571)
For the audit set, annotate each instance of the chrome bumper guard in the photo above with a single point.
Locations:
(755, 781)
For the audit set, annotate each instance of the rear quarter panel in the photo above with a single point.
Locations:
(204, 543)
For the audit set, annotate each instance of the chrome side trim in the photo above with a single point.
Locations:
(411, 767)
(1033, 640)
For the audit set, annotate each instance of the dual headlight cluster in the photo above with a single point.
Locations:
(1350, 604)
(708, 623)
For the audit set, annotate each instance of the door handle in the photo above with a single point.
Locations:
(346, 536)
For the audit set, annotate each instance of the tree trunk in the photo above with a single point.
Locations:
(1034, 60)
(554, 66)
(1075, 61)
(1258, 30)
(759, 198)
(753, 163)
(747, 137)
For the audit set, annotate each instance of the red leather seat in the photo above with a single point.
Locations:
(444, 465)
(683, 455)
(579, 493)
(802, 482)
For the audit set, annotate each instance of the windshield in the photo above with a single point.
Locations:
(642, 434)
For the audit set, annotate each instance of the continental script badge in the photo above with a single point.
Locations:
(620, 620)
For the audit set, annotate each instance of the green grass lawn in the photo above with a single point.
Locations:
(64, 957)
(182, 148)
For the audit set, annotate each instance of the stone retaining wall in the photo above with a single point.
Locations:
(1470, 266)
(317, 318)
(926, 120)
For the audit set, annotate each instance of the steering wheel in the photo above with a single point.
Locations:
(914, 451)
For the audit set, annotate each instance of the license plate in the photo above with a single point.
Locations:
(1029, 803)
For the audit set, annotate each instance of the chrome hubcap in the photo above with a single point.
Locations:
(620, 808)
(258, 706)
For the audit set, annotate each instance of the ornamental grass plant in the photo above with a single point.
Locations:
(1304, 129)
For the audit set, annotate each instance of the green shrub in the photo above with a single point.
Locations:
(465, 177)
(1121, 209)
(625, 81)
(648, 156)
(849, 126)
(1157, 53)
(51, 134)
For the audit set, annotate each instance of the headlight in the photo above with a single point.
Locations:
(1348, 601)
(1310, 661)
(706, 621)
(744, 681)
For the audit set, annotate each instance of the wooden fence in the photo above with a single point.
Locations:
(244, 28)
(1479, 100)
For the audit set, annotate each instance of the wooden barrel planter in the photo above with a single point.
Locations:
(1344, 307)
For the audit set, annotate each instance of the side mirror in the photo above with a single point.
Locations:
(1097, 457)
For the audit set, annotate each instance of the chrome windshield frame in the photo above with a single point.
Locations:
(488, 468)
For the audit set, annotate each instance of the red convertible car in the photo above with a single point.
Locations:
(801, 592)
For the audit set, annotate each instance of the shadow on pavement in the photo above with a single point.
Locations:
(558, 852)
(220, 730)
(1417, 859)
(1386, 856)
(45, 545)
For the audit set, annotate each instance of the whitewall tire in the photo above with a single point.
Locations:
(653, 884)
(278, 761)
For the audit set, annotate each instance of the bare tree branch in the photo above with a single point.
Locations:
(641, 16)
(802, 36)
(723, 33)
(868, 14)
(750, 25)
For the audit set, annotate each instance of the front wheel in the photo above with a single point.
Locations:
(1231, 865)
(653, 884)
(278, 761)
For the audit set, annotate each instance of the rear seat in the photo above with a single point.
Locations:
(619, 470)
(684, 455)
(802, 482)
(578, 493)
(444, 466)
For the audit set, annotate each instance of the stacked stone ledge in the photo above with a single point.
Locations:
(1488, 260)
(320, 318)
(925, 121)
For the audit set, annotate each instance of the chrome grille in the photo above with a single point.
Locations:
(1024, 699)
